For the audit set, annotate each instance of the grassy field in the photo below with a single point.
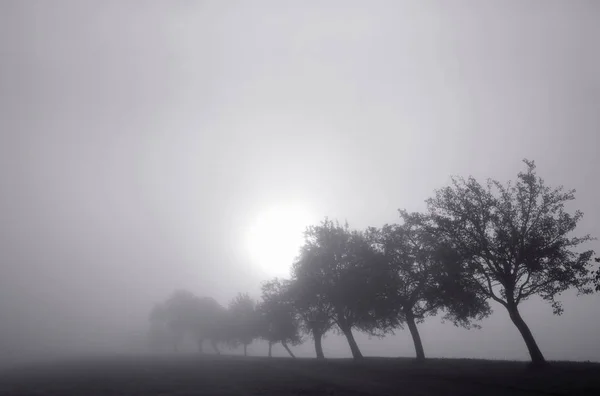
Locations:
(229, 375)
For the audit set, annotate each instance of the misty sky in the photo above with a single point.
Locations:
(139, 141)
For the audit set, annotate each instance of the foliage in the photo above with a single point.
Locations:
(597, 276)
(514, 240)
(244, 319)
(315, 312)
(419, 275)
(279, 320)
(183, 314)
(333, 274)
(515, 237)
(333, 266)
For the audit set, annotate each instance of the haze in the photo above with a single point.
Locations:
(142, 141)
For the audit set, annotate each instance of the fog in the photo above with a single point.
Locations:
(140, 141)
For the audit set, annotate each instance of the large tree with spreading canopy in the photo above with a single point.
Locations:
(332, 275)
(515, 240)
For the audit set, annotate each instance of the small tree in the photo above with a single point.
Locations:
(514, 241)
(279, 321)
(245, 321)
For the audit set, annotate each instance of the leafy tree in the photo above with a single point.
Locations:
(331, 268)
(180, 313)
(315, 312)
(597, 276)
(245, 320)
(211, 322)
(184, 314)
(515, 241)
(417, 283)
(279, 321)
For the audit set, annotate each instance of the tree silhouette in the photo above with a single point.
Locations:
(245, 321)
(315, 312)
(279, 321)
(417, 283)
(184, 314)
(597, 276)
(180, 313)
(211, 323)
(331, 271)
(514, 241)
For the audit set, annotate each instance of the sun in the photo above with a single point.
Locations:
(275, 238)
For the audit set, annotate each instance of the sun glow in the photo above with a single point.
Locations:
(275, 238)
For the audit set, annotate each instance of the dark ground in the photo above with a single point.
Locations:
(228, 375)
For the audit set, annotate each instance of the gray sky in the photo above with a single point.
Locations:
(139, 140)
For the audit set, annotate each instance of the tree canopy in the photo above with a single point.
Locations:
(279, 320)
(245, 320)
(333, 272)
(514, 241)
(418, 279)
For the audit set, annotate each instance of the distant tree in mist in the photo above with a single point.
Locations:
(184, 314)
(514, 241)
(211, 323)
(244, 321)
(415, 282)
(160, 335)
(279, 320)
(597, 276)
(180, 314)
(331, 271)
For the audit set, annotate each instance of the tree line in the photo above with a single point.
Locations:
(475, 243)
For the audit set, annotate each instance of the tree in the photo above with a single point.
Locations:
(245, 321)
(316, 314)
(180, 313)
(279, 321)
(597, 276)
(184, 314)
(417, 283)
(331, 268)
(515, 241)
(210, 323)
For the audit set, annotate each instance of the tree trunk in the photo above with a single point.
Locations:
(356, 354)
(318, 346)
(270, 347)
(288, 349)
(215, 347)
(414, 332)
(537, 358)
(245, 349)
